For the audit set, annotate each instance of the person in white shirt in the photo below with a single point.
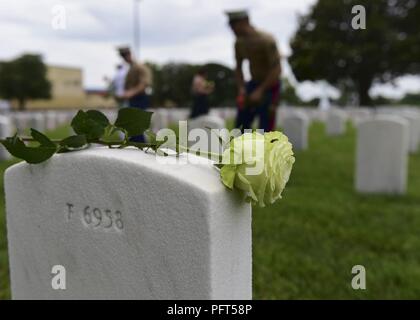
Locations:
(118, 84)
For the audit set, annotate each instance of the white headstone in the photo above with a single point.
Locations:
(217, 112)
(358, 114)
(207, 122)
(37, 121)
(70, 116)
(414, 132)
(382, 155)
(125, 226)
(281, 113)
(336, 122)
(111, 115)
(62, 117)
(230, 113)
(50, 120)
(178, 114)
(21, 121)
(316, 115)
(295, 126)
(160, 119)
(6, 130)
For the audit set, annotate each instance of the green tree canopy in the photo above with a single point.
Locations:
(172, 82)
(24, 78)
(326, 46)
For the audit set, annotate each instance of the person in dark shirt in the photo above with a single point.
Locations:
(201, 89)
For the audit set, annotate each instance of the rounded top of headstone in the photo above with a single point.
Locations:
(386, 118)
(210, 121)
(410, 114)
(187, 168)
(337, 112)
(296, 114)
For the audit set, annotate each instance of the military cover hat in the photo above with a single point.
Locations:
(237, 15)
(123, 49)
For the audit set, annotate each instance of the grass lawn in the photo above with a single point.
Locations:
(305, 246)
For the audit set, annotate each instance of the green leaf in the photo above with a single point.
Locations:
(221, 142)
(42, 139)
(92, 124)
(150, 136)
(34, 155)
(227, 175)
(77, 141)
(134, 121)
(98, 117)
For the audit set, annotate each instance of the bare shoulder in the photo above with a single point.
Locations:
(266, 37)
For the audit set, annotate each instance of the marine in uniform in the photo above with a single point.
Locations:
(260, 96)
(138, 82)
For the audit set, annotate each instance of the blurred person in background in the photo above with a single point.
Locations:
(201, 89)
(260, 96)
(118, 85)
(137, 84)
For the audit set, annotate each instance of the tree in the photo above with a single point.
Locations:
(288, 94)
(24, 78)
(411, 99)
(225, 84)
(172, 82)
(326, 46)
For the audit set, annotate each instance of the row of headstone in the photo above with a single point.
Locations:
(295, 124)
(41, 121)
(358, 114)
(413, 118)
(385, 137)
(164, 117)
(384, 142)
(21, 122)
(47, 120)
(224, 113)
(354, 114)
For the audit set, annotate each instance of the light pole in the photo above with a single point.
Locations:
(136, 27)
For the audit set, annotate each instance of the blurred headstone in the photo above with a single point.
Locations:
(51, 121)
(414, 132)
(160, 119)
(6, 130)
(382, 155)
(295, 126)
(37, 121)
(211, 140)
(336, 122)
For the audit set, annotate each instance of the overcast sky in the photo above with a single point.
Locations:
(171, 30)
